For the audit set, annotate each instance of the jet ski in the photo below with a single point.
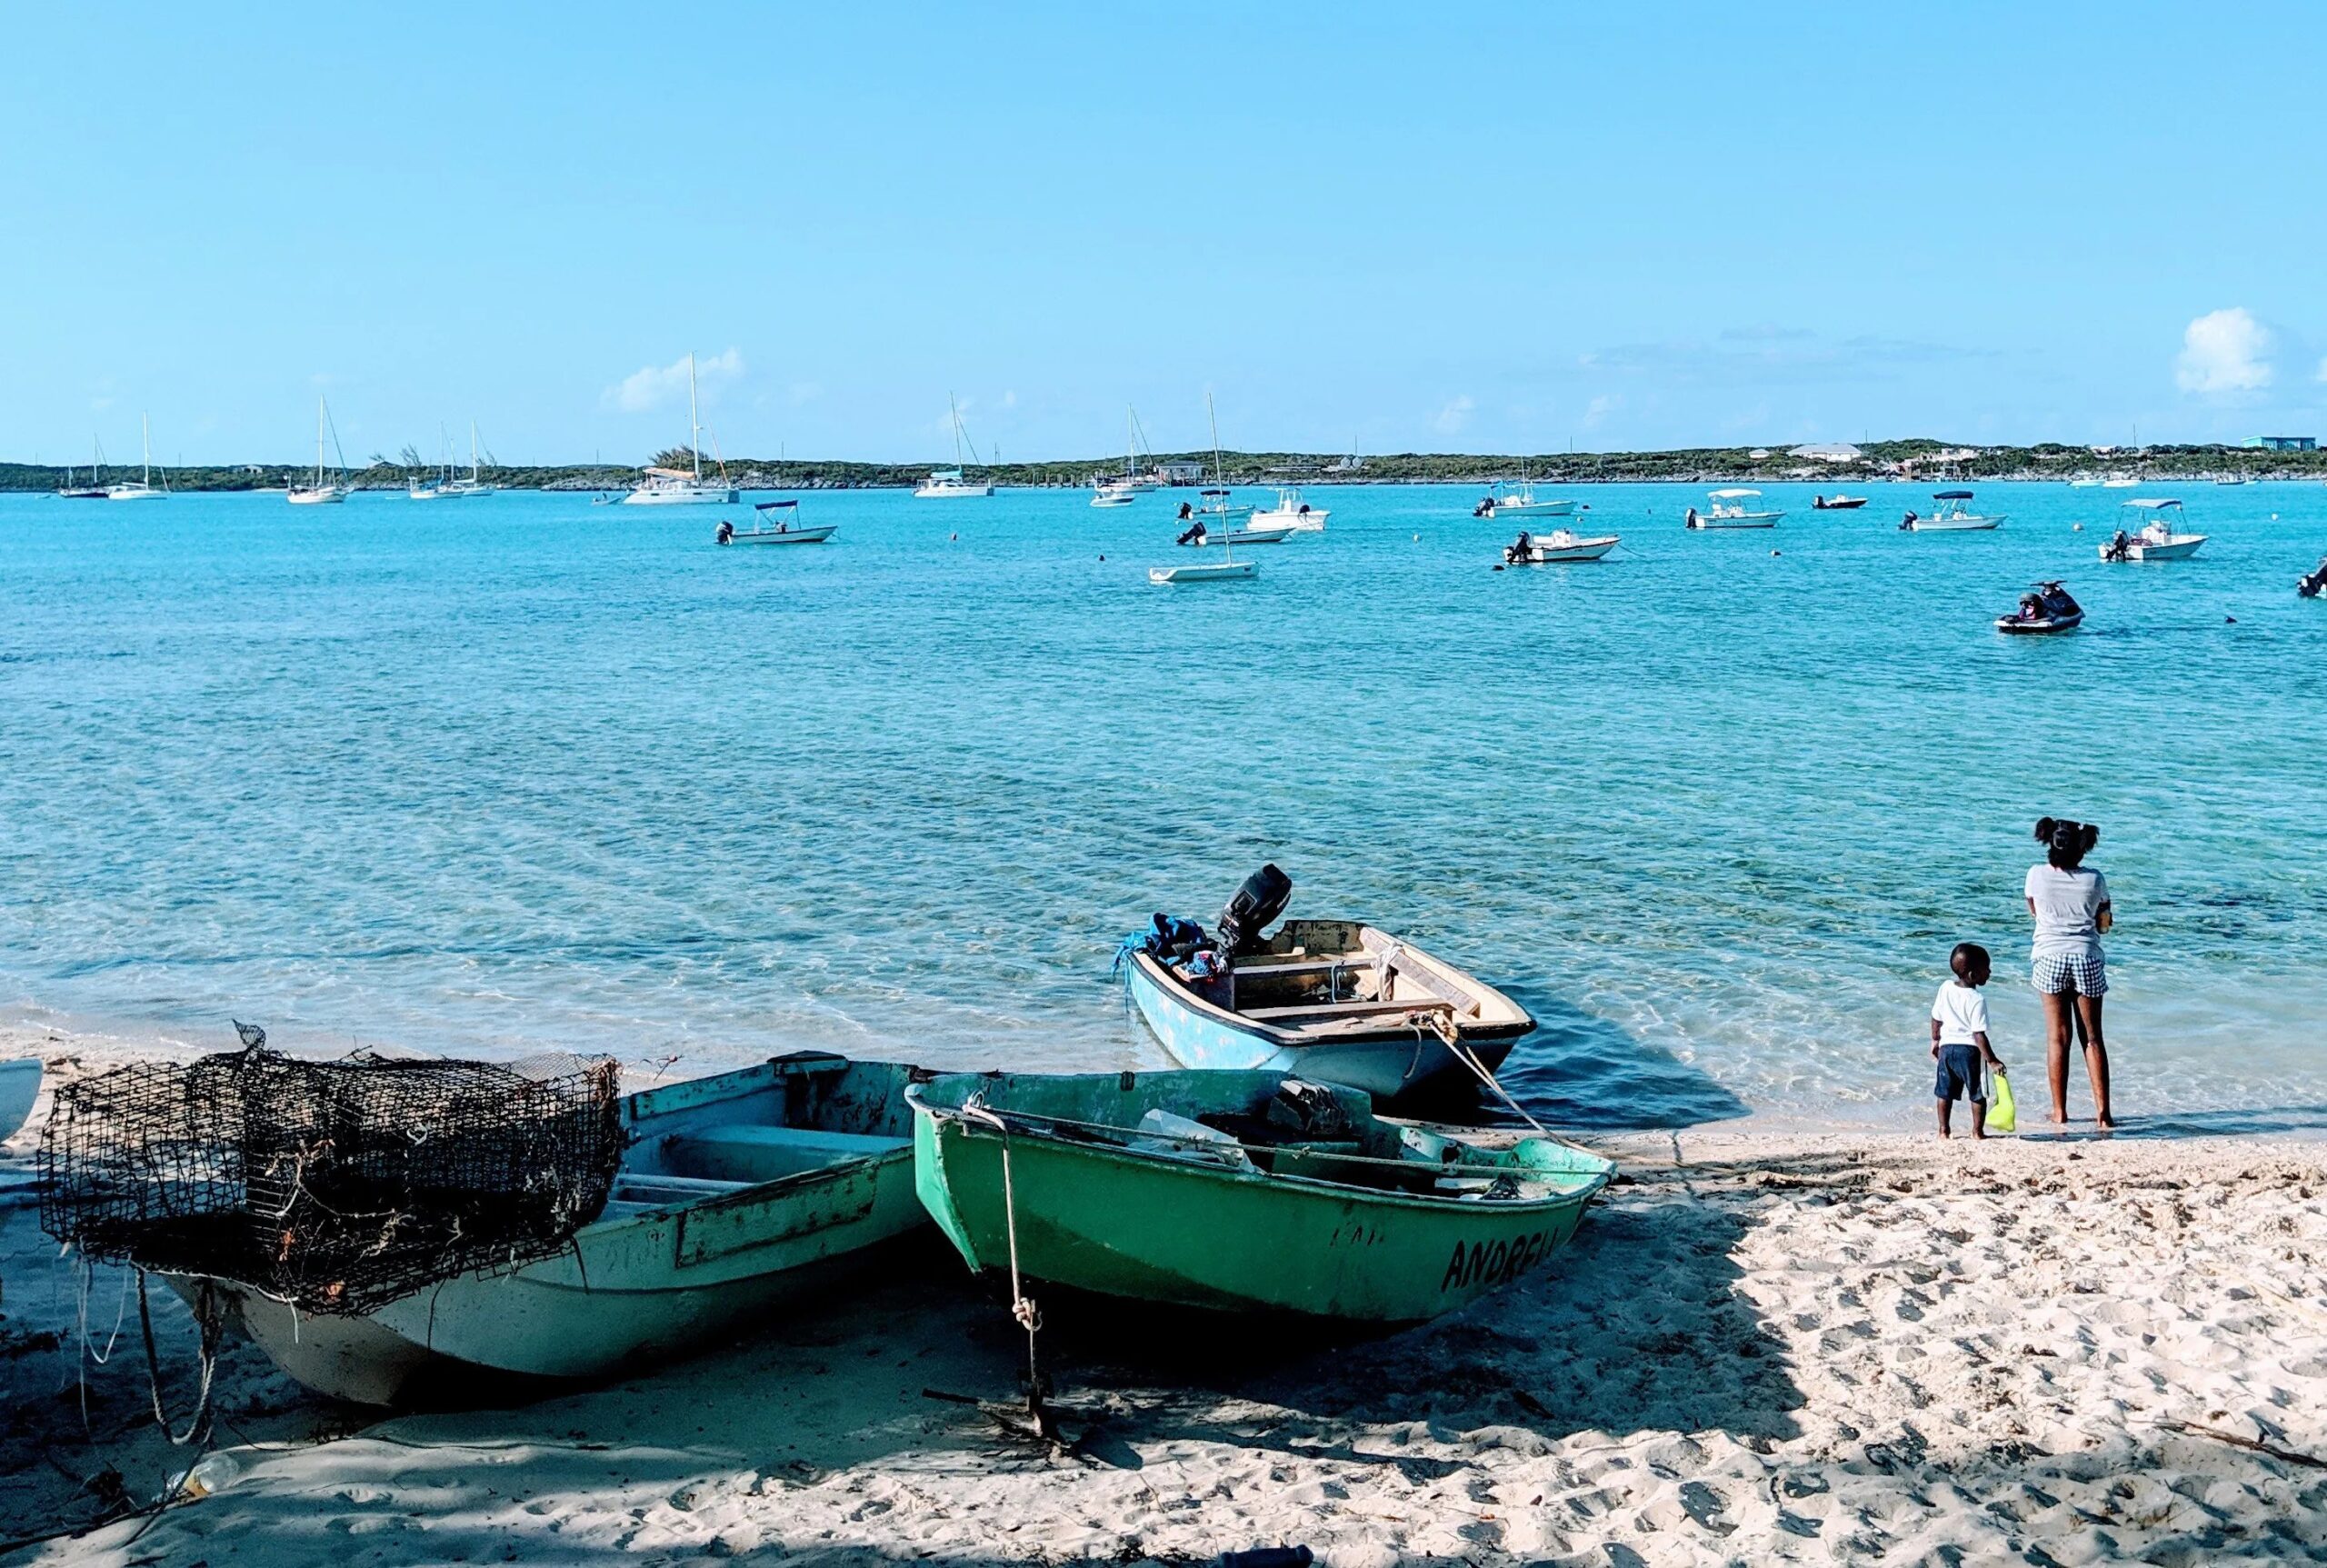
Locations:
(2046, 607)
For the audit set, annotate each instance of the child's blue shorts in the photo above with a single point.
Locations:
(1959, 1074)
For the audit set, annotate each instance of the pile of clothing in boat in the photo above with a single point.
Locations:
(335, 1186)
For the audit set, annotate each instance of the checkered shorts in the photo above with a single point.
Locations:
(2087, 976)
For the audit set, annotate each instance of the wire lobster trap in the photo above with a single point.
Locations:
(335, 1186)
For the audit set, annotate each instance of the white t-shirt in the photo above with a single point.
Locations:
(2068, 909)
(1961, 1014)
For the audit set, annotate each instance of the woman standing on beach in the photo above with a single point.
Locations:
(2070, 902)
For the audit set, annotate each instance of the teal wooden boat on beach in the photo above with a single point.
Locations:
(739, 1194)
(1238, 1191)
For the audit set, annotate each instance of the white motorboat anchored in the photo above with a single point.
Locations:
(2160, 539)
(1122, 489)
(952, 484)
(140, 489)
(1729, 511)
(1556, 548)
(1953, 517)
(684, 486)
(319, 491)
(1509, 500)
(783, 528)
(1292, 514)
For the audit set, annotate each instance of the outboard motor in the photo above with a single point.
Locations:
(1187, 511)
(1195, 534)
(1907, 523)
(726, 531)
(1259, 902)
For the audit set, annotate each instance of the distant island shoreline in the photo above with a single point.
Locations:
(1911, 460)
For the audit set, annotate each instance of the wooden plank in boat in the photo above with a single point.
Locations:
(1344, 1009)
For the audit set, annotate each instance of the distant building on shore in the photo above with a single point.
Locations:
(1829, 452)
(2283, 443)
(1179, 473)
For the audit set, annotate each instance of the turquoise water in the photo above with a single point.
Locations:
(523, 771)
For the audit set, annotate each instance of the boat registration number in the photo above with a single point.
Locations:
(1485, 1263)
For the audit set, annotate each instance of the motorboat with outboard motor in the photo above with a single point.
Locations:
(2159, 540)
(1730, 511)
(1953, 517)
(1836, 503)
(1292, 514)
(1519, 500)
(2045, 607)
(2308, 586)
(1557, 546)
(1337, 1001)
(785, 531)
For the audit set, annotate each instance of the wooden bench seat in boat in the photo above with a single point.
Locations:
(1343, 1010)
(751, 1152)
(1246, 967)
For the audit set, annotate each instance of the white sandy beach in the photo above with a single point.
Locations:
(1765, 1346)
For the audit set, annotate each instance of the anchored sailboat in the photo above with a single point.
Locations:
(948, 483)
(682, 487)
(140, 489)
(318, 491)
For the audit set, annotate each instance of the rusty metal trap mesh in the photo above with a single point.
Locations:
(336, 1186)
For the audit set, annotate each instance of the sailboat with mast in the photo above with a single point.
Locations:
(447, 486)
(1120, 489)
(949, 484)
(684, 486)
(320, 491)
(140, 489)
(94, 490)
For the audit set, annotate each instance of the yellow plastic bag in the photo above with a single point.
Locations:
(2003, 1116)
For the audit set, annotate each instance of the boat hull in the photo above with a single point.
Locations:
(1392, 1061)
(1559, 555)
(687, 495)
(794, 536)
(1244, 536)
(328, 497)
(1954, 525)
(1189, 1233)
(2173, 550)
(1533, 509)
(952, 491)
(1219, 572)
(1750, 520)
(633, 1287)
(1310, 521)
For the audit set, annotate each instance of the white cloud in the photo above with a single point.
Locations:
(2225, 351)
(650, 387)
(1455, 415)
(1599, 409)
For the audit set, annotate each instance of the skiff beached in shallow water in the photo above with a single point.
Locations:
(1238, 1191)
(738, 1193)
(1338, 1001)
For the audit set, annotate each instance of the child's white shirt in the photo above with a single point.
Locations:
(1961, 1014)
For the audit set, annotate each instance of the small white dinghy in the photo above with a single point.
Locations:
(1558, 546)
(1953, 517)
(784, 530)
(1730, 511)
(2159, 540)
(1210, 572)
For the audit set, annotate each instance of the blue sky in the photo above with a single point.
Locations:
(1467, 228)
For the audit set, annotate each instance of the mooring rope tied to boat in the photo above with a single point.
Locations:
(987, 1117)
(1022, 1305)
(1446, 1030)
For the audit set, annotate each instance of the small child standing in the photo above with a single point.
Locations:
(1959, 1036)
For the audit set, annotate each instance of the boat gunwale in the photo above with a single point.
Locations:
(1592, 1181)
(1151, 969)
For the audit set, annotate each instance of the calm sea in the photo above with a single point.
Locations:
(494, 774)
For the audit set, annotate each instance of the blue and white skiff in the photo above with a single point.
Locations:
(1334, 1000)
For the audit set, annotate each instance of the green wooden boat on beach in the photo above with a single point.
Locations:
(1238, 1191)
